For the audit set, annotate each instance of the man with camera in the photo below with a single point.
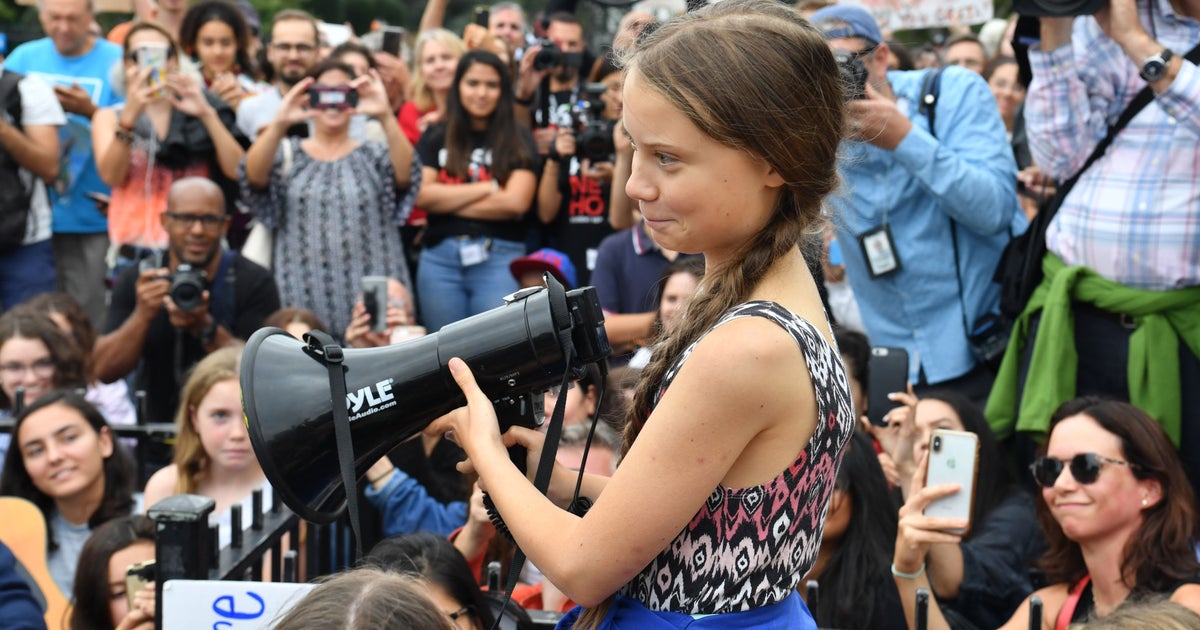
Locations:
(1118, 311)
(927, 211)
(548, 79)
(170, 315)
(292, 50)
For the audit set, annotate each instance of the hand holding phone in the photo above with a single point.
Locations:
(375, 299)
(137, 576)
(953, 458)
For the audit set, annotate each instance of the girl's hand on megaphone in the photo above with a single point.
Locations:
(475, 426)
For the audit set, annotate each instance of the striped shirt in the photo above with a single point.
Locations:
(1134, 216)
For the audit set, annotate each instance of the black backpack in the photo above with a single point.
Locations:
(16, 192)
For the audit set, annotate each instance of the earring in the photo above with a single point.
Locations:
(1145, 502)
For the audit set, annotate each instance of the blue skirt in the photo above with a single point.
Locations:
(630, 614)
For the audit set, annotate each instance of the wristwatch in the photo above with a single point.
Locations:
(1155, 66)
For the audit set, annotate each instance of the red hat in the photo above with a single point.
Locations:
(552, 260)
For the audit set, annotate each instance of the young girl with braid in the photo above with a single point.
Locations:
(736, 433)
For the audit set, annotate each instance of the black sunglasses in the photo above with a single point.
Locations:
(1085, 468)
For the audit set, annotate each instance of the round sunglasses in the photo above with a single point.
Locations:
(1085, 468)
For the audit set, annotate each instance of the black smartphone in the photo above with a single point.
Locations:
(887, 372)
(393, 40)
(482, 16)
(375, 299)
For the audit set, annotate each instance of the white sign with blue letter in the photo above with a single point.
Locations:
(227, 605)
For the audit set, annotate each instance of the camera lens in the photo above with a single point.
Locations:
(937, 444)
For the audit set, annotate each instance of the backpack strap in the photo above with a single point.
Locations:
(10, 96)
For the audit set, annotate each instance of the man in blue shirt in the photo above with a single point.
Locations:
(78, 65)
(916, 203)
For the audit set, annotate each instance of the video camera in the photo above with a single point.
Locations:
(593, 134)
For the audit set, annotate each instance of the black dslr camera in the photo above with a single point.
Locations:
(854, 74)
(551, 56)
(1057, 8)
(593, 135)
(188, 283)
(187, 287)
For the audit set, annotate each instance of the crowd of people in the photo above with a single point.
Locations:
(197, 173)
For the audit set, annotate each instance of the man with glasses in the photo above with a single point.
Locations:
(925, 214)
(292, 50)
(144, 322)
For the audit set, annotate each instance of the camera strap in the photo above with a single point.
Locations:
(327, 352)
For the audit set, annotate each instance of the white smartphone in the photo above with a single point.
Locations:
(953, 458)
(375, 298)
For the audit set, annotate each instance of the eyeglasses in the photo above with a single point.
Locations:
(461, 612)
(209, 221)
(41, 368)
(1085, 468)
(287, 48)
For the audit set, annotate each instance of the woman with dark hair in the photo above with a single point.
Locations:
(99, 600)
(855, 588)
(439, 564)
(1118, 512)
(112, 399)
(479, 181)
(333, 203)
(64, 460)
(675, 287)
(983, 577)
(35, 357)
(214, 33)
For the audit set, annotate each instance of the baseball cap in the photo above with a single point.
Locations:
(844, 20)
(546, 259)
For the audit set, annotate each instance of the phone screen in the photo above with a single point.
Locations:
(393, 40)
(953, 458)
(482, 15)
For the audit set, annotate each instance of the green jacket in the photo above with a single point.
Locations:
(1161, 318)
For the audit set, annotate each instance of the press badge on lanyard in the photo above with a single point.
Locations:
(879, 250)
(473, 252)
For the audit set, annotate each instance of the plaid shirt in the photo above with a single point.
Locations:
(1134, 216)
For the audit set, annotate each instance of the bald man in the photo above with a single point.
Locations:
(150, 319)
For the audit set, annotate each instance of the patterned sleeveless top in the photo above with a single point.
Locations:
(749, 547)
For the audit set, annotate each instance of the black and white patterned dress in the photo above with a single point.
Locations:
(334, 222)
(749, 547)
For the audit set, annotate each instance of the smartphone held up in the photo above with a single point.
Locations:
(953, 458)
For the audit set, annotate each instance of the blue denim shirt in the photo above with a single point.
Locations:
(407, 508)
(967, 173)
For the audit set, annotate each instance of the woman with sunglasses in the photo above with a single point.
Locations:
(1118, 513)
(983, 577)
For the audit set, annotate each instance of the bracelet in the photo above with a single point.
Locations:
(123, 136)
(381, 477)
(523, 102)
(908, 576)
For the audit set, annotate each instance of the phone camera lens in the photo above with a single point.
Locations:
(937, 444)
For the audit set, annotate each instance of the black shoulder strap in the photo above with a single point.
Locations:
(929, 95)
(10, 96)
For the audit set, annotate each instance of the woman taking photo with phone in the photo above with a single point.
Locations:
(169, 128)
(733, 162)
(479, 182)
(1116, 507)
(214, 34)
(984, 576)
(333, 203)
(101, 601)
